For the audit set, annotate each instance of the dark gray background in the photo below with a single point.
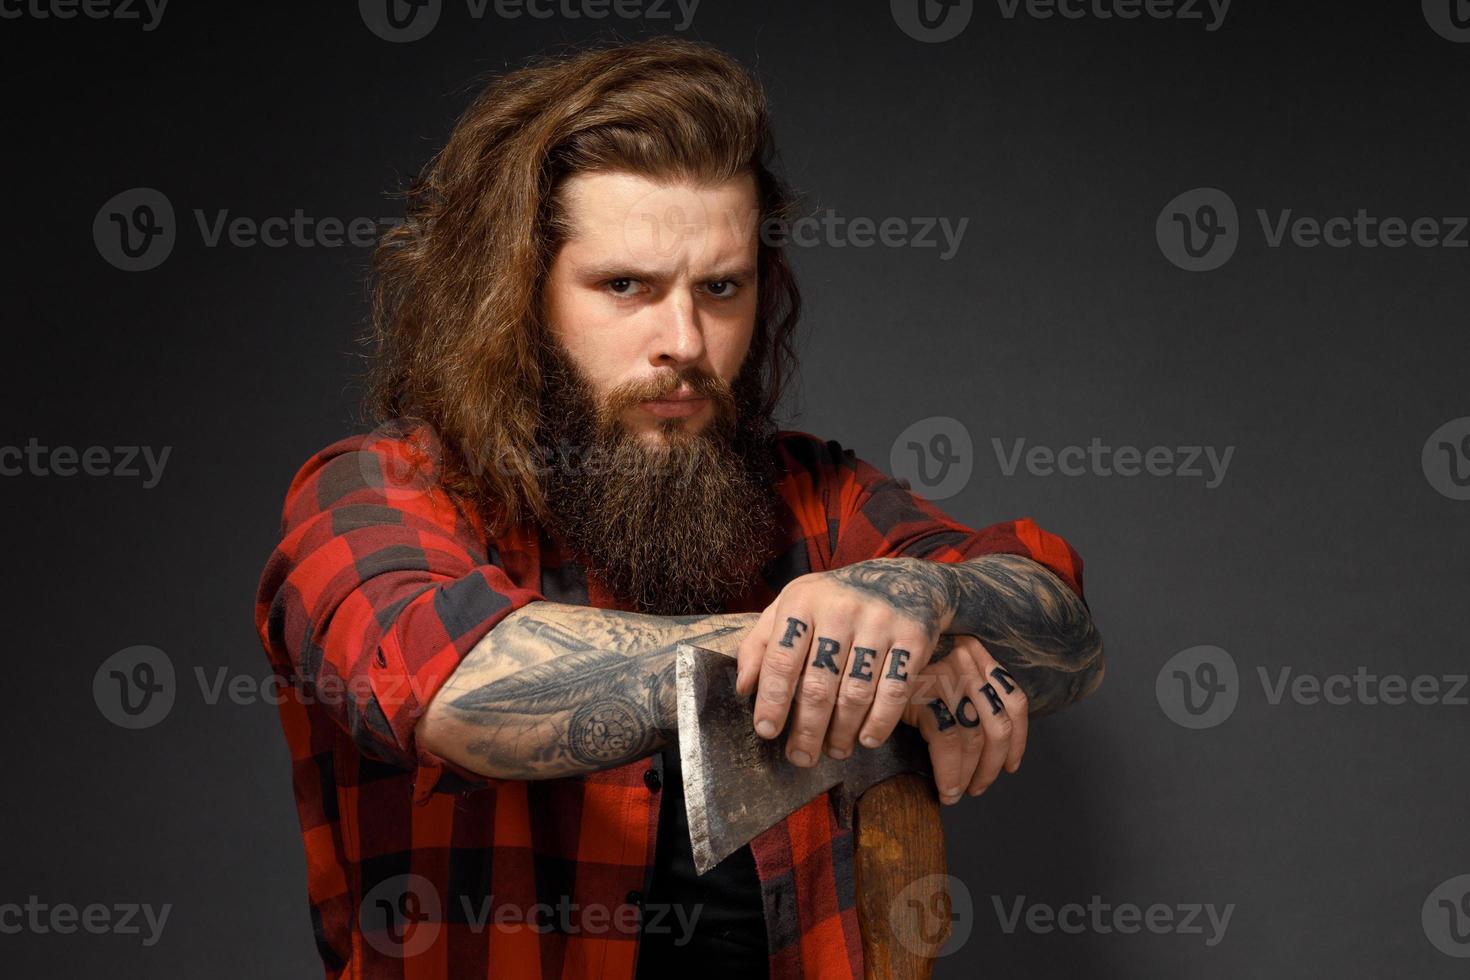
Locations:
(1324, 549)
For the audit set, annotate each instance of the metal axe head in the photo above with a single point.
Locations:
(737, 784)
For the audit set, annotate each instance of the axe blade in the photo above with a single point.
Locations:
(738, 785)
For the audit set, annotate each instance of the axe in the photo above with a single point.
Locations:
(737, 785)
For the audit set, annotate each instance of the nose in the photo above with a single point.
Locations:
(678, 339)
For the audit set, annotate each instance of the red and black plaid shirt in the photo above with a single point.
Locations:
(418, 868)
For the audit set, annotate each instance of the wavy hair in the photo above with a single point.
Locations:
(456, 288)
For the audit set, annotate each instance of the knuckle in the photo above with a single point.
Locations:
(854, 695)
(812, 690)
(892, 694)
(780, 664)
(774, 694)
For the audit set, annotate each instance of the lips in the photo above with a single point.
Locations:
(676, 404)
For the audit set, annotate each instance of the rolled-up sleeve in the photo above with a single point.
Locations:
(380, 586)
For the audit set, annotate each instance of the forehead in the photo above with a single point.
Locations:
(631, 217)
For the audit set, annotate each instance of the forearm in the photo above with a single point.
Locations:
(1032, 623)
(557, 690)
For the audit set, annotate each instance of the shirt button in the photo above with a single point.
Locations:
(652, 780)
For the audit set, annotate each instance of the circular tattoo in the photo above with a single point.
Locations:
(610, 730)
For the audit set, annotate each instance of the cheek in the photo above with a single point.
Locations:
(732, 342)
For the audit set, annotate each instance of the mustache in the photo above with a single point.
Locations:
(706, 385)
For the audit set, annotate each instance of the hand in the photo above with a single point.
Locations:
(845, 644)
(972, 713)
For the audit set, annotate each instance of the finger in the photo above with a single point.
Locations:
(781, 668)
(998, 733)
(816, 692)
(854, 698)
(752, 650)
(1017, 707)
(965, 678)
(946, 746)
(892, 693)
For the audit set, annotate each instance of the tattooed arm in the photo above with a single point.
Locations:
(963, 651)
(556, 690)
(1030, 621)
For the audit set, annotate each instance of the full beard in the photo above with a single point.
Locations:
(677, 527)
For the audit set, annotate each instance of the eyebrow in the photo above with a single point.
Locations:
(597, 273)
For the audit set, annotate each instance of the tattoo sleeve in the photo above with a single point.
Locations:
(1031, 621)
(557, 690)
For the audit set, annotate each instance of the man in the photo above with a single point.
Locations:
(582, 337)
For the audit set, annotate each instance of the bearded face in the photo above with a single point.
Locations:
(656, 459)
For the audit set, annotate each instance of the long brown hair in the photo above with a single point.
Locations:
(456, 287)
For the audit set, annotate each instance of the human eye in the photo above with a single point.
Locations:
(622, 285)
(723, 288)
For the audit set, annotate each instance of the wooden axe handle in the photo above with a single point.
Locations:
(899, 840)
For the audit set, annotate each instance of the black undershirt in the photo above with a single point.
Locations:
(729, 937)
